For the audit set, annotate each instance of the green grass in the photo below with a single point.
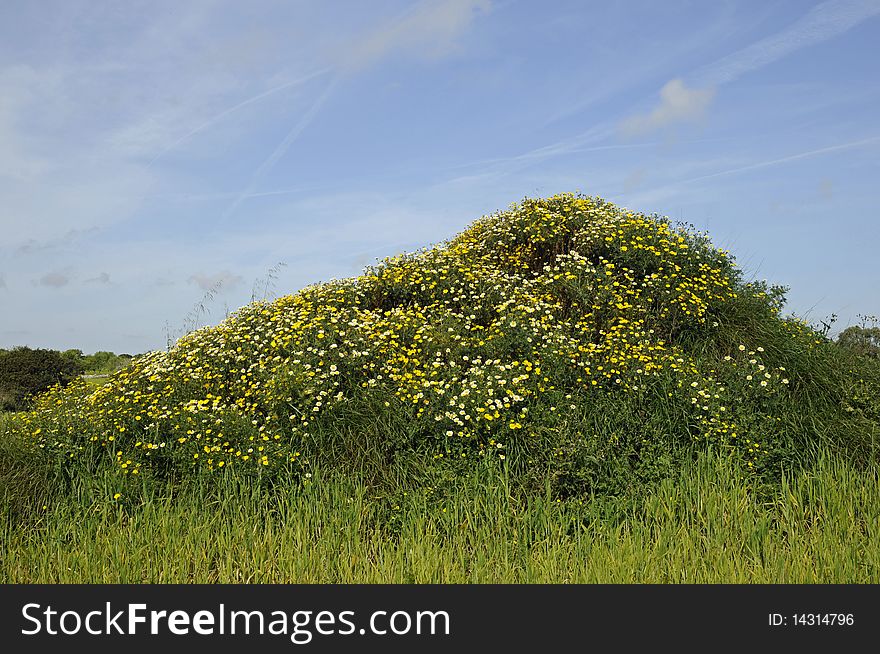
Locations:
(96, 380)
(565, 392)
(705, 526)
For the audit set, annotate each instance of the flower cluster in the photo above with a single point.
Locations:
(525, 314)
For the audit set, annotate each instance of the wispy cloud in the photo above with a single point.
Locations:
(53, 280)
(26, 94)
(825, 189)
(678, 104)
(103, 278)
(222, 280)
(594, 139)
(239, 105)
(634, 180)
(431, 29)
(280, 150)
(586, 141)
(794, 157)
(822, 22)
(664, 189)
(209, 105)
(74, 155)
(33, 246)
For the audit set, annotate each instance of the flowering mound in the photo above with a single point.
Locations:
(573, 341)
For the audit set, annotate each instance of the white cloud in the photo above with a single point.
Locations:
(103, 278)
(678, 104)
(223, 280)
(54, 280)
(430, 30)
(33, 246)
(97, 96)
(97, 101)
(22, 90)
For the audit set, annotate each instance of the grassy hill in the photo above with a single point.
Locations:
(557, 368)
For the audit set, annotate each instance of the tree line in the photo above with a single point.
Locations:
(25, 371)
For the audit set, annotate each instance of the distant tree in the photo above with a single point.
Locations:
(25, 372)
(864, 340)
(105, 362)
(73, 355)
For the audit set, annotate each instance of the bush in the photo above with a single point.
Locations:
(105, 362)
(571, 345)
(862, 340)
(25, 372)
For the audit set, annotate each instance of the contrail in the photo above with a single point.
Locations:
(794, 157)
(822, 22)
(236, 107)
(501, 166)
(650, 192)
(279, 151)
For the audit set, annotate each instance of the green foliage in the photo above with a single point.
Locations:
(104, 362)
(701, 525)
(565, 392)
(73, 355)
(25, 372)
(863, 340)
(583, 348)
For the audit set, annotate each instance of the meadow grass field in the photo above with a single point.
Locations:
(566, 392)
(703, 526)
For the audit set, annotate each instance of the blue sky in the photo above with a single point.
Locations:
(151, 151)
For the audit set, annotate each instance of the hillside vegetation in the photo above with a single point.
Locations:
(586, 345)
(565, 352)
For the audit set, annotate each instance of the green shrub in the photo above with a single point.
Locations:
(25, 372)
(582, 349)
(105, 362)
(863, 340)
